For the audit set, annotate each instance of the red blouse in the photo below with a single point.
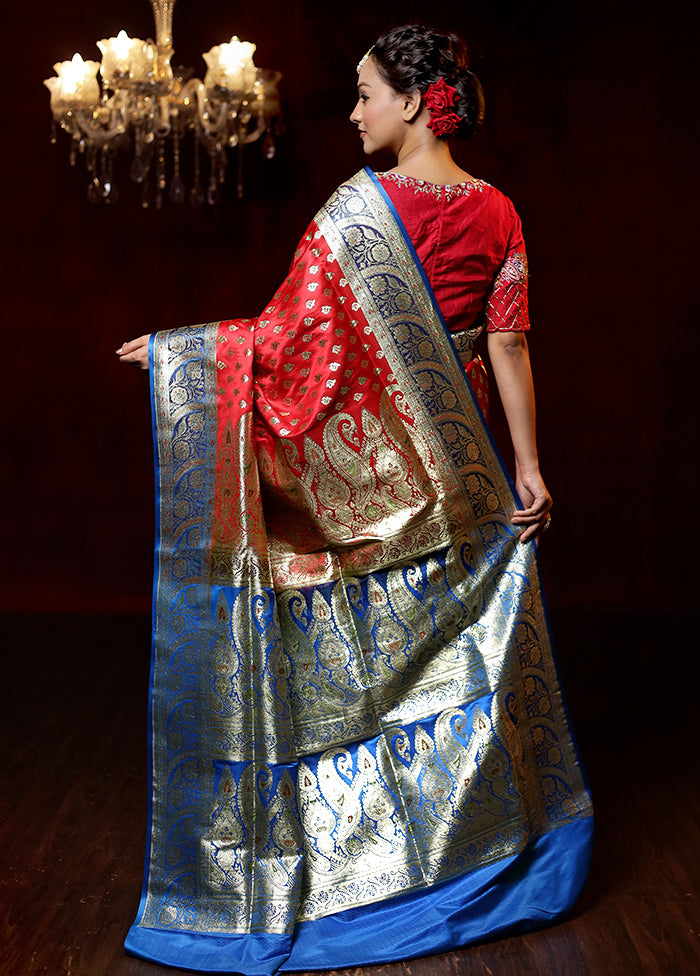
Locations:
(469, 240)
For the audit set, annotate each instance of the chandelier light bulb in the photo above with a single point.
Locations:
(121, 44)
(76, 85)
(231, 66)
(125, 59)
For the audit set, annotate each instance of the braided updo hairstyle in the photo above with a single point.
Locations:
(413, 57)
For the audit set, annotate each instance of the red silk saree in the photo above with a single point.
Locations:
(359, 750)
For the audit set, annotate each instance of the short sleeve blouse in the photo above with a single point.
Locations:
(469, 240)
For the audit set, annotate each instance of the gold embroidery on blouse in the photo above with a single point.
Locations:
(447, 191)
(506, 307)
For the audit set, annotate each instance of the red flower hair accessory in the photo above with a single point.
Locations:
(439, 99)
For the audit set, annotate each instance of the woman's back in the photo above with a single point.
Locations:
(469, 241)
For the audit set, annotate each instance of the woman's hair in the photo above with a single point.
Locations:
(413, 57)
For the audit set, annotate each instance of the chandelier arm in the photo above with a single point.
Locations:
(97, 133)
(246, 137)
(163, 124)
(188, 92)
(214, 129)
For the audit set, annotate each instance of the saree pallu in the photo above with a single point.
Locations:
(359, 751)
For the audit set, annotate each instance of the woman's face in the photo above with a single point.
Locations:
(379, 113)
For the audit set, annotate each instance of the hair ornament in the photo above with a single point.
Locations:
(439, 98)
(363, 59)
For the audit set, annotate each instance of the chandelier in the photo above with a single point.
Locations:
(140, 104)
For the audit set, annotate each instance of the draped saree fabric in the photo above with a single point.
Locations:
(359, 750)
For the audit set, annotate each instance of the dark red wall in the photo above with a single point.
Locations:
(590, 118)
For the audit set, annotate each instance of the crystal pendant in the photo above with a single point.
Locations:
(110, 194)
(177, 189)
(213, 193)
(197, 197)
(213, 186)
(139, 169)
(239, 182)
(94, 190)
(268, 147)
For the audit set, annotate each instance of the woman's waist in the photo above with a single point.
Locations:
(464, 337)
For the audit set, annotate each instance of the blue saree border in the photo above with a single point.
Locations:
(151, 677)
(535, 887)
(254, 954)
(488, 903)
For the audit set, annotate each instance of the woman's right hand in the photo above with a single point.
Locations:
(534, 518)
(135, 352)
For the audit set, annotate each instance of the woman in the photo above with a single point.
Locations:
(359, 749)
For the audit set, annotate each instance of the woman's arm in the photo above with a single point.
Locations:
(510, 361)
(135, 352)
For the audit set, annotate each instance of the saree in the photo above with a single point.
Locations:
(359, 750)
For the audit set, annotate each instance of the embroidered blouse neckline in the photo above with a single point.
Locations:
(440, 186)
(448, 190)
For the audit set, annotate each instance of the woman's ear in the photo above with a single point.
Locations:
(411, 105)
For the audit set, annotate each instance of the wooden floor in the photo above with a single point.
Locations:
(72, 807)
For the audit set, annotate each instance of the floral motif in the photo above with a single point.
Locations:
(439, 99)
(441, 191)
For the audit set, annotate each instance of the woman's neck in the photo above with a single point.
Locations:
(429, 159)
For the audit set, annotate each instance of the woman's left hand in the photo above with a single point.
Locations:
(135, 352)
(535, 517)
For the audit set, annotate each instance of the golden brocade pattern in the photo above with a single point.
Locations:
(464, 340)
(365, 489)
(354, 692)
(254, 811)
(412, 807)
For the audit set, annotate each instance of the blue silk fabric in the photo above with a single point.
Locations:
(359, 749)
